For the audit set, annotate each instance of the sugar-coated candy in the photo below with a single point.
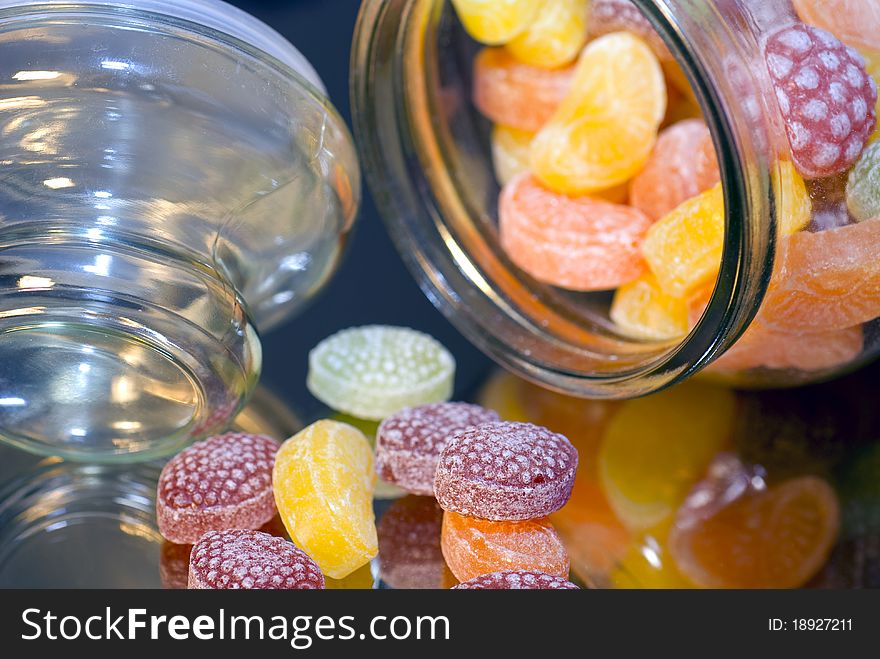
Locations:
(510, 152)
(323, 481)
(219, 483)
(409, 543)
(517, 95)
(828, 280)
(505, 471)
(473, 546)
(683, 249)
(580, 243)
(655, 448)
(764, 347)
(642, 309)
(517, 580)
(376, 370)
(556, 36)
(497, 21)
(360, 579)
(855, 22)
(605, 128)
(863, 185)
(408, 443)
(825, 95)
(239, 558)
(682, 165)
(734, 531)
(622, 15)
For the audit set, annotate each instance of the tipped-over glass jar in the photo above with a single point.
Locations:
(608, 197)
(174, 178)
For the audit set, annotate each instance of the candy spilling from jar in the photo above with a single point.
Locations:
(610, 179)
(697, 486)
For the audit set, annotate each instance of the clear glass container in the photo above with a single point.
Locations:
(428, 156)
(174, 180)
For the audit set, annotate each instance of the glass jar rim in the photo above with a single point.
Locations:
(217, 15)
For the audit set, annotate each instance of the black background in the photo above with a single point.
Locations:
(372, 285)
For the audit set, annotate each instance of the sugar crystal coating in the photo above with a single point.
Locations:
(825, 95)
(505, 471)
(374, 371)
(222, 482)
(408, 443)
(240, 558)
(517, 580)
(863, 185)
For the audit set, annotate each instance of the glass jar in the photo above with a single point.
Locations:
(174, 179)
(428, 155)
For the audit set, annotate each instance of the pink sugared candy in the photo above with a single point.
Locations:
(826, 98)
(517, 580)
(408, 443)
(220, 483)
(240, 558)
(505, 471)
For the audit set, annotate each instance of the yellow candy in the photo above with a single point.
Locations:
(683, 249)
(323, 481)
(360, 579)
(496, 22)
(795, 207)
(557, 35)
(649, 565)
(641, 309)
(510, 152)
(656, 448)
(604, 130)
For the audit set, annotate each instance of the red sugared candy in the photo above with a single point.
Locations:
(220, 483)
(517, 580)
(506, 471)
(409, 543)
(240, 558)
(408, 443)
(826, 98)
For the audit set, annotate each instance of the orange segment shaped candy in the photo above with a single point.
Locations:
(683, 249)
(517, 95)
(555, 37)
(474, 546)
(771, 538)
(643, 310)
(496, 21)
(510, 152)
(579, 243)
(657, 447)
(682, 165)
(323, 481)
(855, 22)
(828, 280)
(604, 131)
(762, 347)
(792, 197)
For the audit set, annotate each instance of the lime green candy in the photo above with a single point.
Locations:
(374, 371)
(863, 185)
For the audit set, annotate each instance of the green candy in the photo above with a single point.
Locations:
(374, 371)
(863, 185)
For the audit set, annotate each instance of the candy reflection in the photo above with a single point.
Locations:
(409, 544)
(705, 486)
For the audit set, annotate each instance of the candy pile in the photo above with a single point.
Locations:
(610, 180)
(495, 483)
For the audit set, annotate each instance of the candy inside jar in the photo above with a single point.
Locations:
(669, 187)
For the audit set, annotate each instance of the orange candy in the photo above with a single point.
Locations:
(517, 95)
(829, 280)
(579, 243)
(776, 537)
(855, 22)
(682, 165)
(474, 546)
